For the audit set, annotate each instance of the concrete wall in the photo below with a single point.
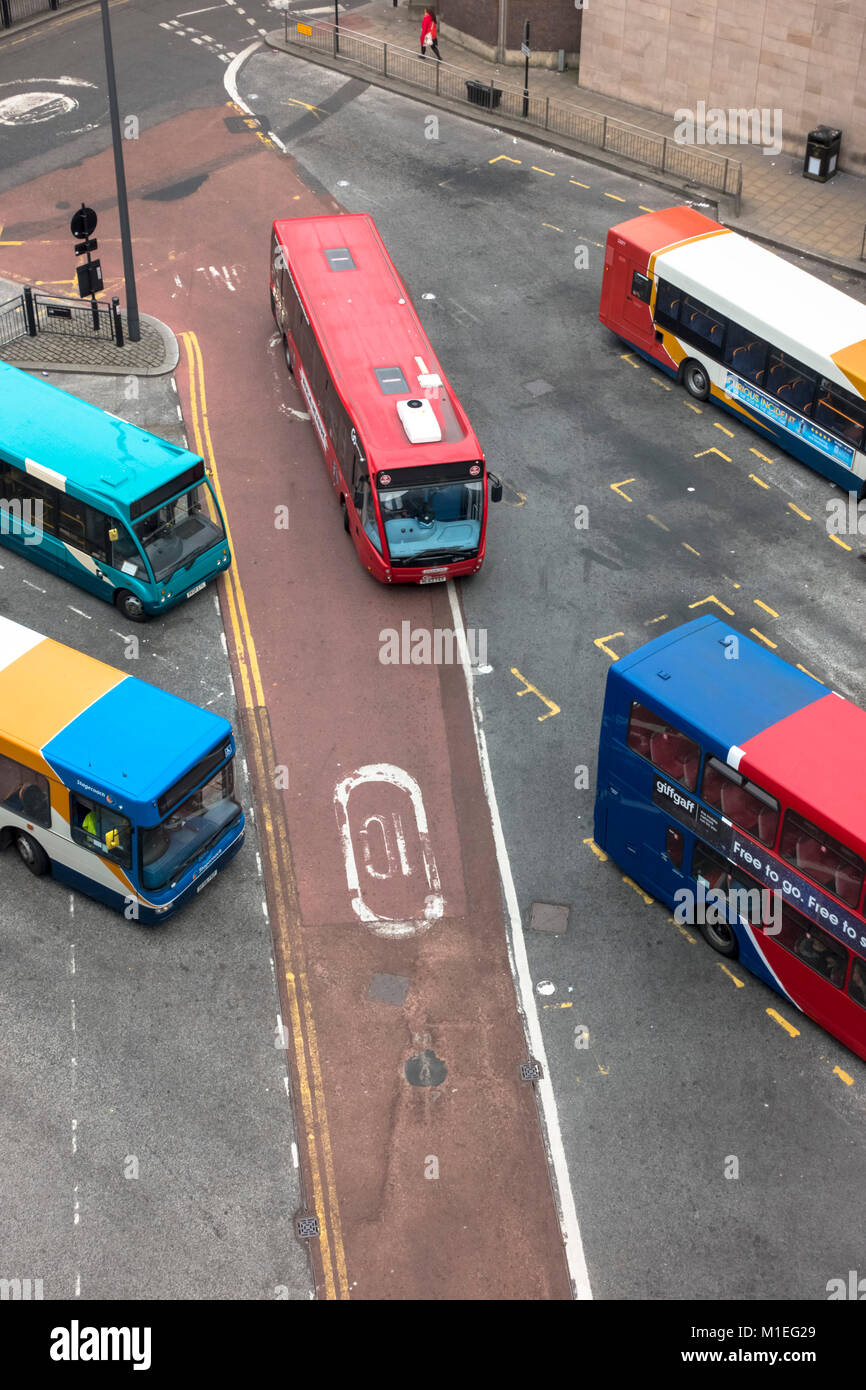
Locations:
(806, 57)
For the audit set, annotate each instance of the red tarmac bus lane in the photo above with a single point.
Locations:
(434, 1183)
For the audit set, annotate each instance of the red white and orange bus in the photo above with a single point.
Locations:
(732, 321)
(400, 452)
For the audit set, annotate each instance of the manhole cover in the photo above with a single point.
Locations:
(549, 917)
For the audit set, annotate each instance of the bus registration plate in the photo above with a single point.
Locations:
(196, 589)
(434, 576)
(205, 881)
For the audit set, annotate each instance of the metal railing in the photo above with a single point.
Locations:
(704, 168)
(13, 11)
(31, 313)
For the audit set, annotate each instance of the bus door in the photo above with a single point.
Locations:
(630, 295)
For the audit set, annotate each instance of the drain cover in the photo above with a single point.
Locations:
(426, 1069)
(531, 1071)
(307, 1227)
(549, 917)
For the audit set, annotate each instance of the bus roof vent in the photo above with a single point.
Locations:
(419, 421)
(339, 258)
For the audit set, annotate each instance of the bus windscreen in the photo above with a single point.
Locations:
(174, 534)
(431, 520)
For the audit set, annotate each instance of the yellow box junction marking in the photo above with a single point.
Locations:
(682, 931)
(660, 619)
(626, 357)
(643, 209)
(837, 541)
(741, 984)
(808, 673)
(599, 853)
(615, 196)
(504, 156)
(804, 515)
(637, 888)
(783, 1023)
(615, 487)
(549, 172)
(843, 1076)
(713, 451)
(755, 479)
(533, 690)
(655, 521)
(578, 183)
(761, 638)
(663, 384)
(711, 598)
(762, 457)
(696, 408)
(717, 426)
(600, 642)
(551, 227)
(686, 546)
(772, 612)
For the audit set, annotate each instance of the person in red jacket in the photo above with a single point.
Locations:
(429, 33)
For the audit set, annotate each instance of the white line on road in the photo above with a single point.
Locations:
(230, 82)
(523, 980)
(188, 13)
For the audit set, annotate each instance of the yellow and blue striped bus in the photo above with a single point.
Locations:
(103, 503)
(117, 788)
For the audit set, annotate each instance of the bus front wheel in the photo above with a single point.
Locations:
(695, 379)
(722, 937)
(346, 525)
(32, 853)
(130, 606)
(288, 351)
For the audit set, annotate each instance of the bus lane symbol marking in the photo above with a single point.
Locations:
(384, 854)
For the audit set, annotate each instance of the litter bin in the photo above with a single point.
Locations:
(481, 95)
(822, 153)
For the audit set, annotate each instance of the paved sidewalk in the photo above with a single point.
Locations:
(778, 205)
(157, 351)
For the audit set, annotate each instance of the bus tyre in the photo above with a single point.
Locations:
(722, 938)
(32, 853)
(130, 606)
(288, 351)
(695, 379)
(346, 527)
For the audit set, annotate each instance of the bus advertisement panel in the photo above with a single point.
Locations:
(102, 503)
(399, 450)
(732, 321)
(730, 787)
(117, 788)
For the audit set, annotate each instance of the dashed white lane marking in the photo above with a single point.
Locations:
(570, 1227)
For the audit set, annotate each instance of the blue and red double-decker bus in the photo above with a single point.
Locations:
(724, 770)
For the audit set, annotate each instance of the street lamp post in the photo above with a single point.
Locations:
(336, 27)
(132, 318)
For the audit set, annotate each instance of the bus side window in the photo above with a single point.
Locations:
(12, 482)
(100, 829)
(822, 858)
(641, 287)
(668, 301)
(368, 516)
(125, 554)
(792, 383)
(664, 746)
(674, 845)
(745, 354)
(70, 521)
(857, 983)
(840, 414)
(25, 792)
(47, 495)
(813, 946)
(708, 866)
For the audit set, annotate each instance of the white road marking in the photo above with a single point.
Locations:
(569, 1225)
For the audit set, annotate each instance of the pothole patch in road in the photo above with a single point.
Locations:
(425, 1069)
(389, 989)
(29, 101)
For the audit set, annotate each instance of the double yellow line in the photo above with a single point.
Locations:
(276, 849)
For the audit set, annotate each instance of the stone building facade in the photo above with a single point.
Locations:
(804, 58)
(482, 25)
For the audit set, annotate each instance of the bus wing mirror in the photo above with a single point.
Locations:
(495, 488)
(113, 533)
